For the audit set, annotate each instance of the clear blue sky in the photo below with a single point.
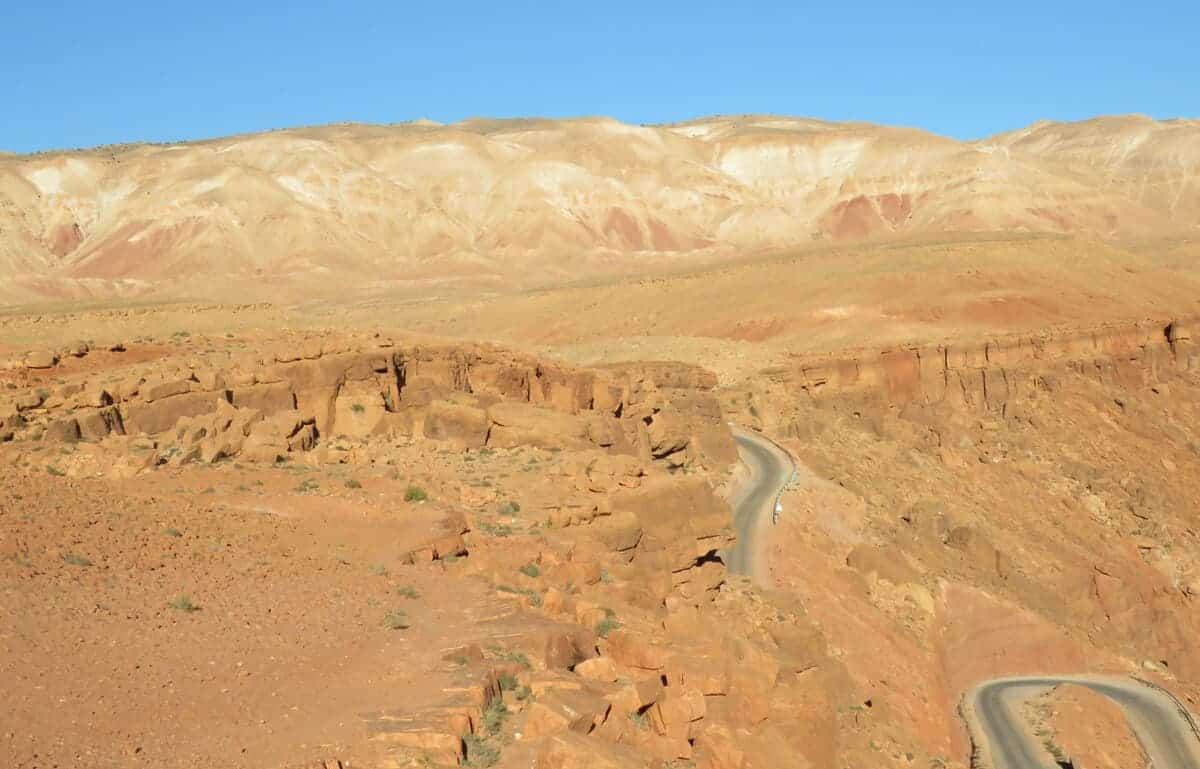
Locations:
(85, 73)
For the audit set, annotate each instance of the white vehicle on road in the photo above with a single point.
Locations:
(778, 511)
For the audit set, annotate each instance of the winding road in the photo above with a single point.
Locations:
(1160, 723)
(1164, 728)
(769, 469)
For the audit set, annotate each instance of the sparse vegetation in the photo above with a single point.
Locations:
(480, 752)
(606, 626)
(76, 560)
(495, 530)
(508, 682)
(396, 620)
(358, 408)
(510, 655)
(535, 598)
(494, 716)
(379, 570)
(531, 570)
(415, 494)
(509, 508)
(173, 532)
(184, 604)
(52, 470)
(352, 484)
(407, 591)
(307, 485)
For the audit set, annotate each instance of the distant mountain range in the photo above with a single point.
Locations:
(315, 211)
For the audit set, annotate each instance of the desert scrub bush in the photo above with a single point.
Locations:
(494, 716)
(480, 752)
(173, 532)
(415, 494)
(352, 484)
(531, 570)
(307, 485)
(396, 620)
(407, 591)
(379, 570)
(184, 604)
(606, 626)
(358, 408)
(509, 508)
(495, 530)
(509, 655)
(508, 682)
(52, 470)
(76, 560)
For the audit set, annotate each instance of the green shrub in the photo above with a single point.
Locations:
(379, 570)
(415, 494)
(173, 532)
(531, 570)
(54, 471)
(480, 752)
(606, 626)
(508, 682)
(184, 604)
(358, 408)
(494, 716)
(76, 560)
(396, 620)
(407, 591)
(509, 508)
(352, 484)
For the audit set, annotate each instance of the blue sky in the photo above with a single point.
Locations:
(86, 73)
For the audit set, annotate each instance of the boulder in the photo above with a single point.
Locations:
(163, 414)
(571, 750)
(159, 389)
(598, 669)
(41, 359)
(95, 424)
(466, 427)
(77, 348)
(886, 563)
(636, 650)
(562, 710)
(520, 424)
(62, 431)
(29, 400)
(566, 650)
(266, 398)
(358, 412)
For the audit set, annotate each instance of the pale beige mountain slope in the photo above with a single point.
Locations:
(487, 205)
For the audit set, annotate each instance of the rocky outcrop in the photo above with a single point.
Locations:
(468, 397)
(988, 376)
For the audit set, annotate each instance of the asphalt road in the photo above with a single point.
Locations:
(1164, 733)
(769, 469)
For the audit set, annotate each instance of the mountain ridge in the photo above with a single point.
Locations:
(543, 199)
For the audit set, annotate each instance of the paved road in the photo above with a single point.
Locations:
(769, 469)
(1164, 732)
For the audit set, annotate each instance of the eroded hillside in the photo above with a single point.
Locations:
(487, 205)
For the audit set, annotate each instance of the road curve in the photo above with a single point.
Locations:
(769, 469)
(1163, 728)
